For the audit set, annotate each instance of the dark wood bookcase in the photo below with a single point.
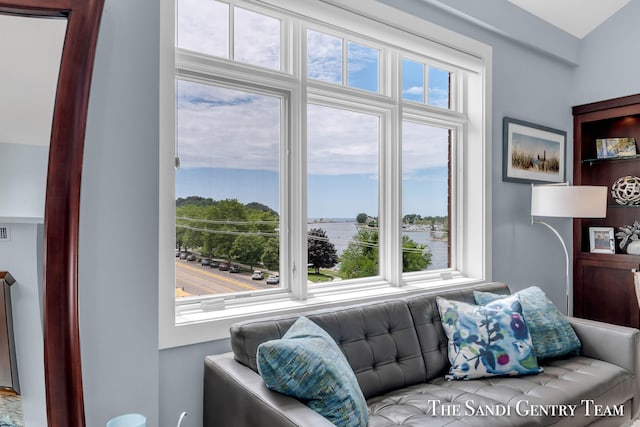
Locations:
(603, 283)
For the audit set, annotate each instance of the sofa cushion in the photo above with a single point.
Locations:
(487, 340)
(551, 333)
(434, 405)
(307, 364)
(577, 380)
(433, 341)
(378, 339)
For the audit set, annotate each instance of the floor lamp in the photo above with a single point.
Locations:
(567, 201)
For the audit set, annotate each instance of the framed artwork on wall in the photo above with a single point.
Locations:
(602, 240)
(532, 153)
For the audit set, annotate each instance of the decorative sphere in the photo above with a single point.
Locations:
(626, 190)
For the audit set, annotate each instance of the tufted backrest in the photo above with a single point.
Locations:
(426, 318)
(389, 344)
(379, 341)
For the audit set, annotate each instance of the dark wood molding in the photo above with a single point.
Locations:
(62, 358)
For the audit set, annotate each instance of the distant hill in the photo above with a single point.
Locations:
(207, 201)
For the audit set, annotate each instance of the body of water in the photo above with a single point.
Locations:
(341, 232)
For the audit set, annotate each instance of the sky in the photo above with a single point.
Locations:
(228, 140)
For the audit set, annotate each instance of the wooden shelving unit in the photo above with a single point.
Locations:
(603, 283)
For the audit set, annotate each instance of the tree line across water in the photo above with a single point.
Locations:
(249, 234)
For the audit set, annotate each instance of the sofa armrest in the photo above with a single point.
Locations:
(612, 343)
(234, 395)
(615, 344)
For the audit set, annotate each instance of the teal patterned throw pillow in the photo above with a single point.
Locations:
(307, 364)
(486, 341)
(551, 333)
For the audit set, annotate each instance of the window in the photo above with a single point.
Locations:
(310, 155)
(228, 143)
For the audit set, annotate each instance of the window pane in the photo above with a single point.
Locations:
(256, 39)
(362, 67)
(203, 26)
(324, 57)
(227, 188)
(342, 193)
(412, 81)
(439, 88)
(425, 197)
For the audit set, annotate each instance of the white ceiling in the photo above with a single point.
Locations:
(576, 17)
(31, 49)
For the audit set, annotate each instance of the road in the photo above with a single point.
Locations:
(194, 279)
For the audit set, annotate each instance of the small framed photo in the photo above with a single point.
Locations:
(532, 153)
(602, 240)
(615, 147)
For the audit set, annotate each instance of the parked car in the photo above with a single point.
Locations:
(223, 266)
(184, 255)
(205, 262)
(214, 264)
(257, 275)
(234, 269)
(177, 254)
(192, 258)
(273, 279)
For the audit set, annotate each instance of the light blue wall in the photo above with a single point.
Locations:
(118, 262)
(609, 59)
(23, 175)
(123, 369)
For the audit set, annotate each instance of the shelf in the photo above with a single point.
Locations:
(619, 257)
(610, 159)
(623, 206)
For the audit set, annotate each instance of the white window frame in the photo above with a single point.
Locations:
(469, 119)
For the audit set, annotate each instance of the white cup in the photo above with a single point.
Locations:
(128, 420)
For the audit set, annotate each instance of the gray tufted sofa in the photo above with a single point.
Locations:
(398, 350)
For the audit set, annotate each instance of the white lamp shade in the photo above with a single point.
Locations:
(581, 201)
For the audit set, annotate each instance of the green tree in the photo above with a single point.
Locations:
(247, 249)
(415, 257)
(361, 218)
(271, 254)
(360, 259)
(321, 252)
(235, 214)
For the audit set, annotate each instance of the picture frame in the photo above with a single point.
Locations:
(602, 240)
(532, 153)
(609, 148)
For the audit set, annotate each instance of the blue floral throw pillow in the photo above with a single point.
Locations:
(308, 364)
(486, 341)
(551, 333)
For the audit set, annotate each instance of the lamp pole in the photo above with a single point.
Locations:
(566, 262)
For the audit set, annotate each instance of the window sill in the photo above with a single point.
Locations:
(194, 325)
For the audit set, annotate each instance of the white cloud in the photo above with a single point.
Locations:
(423, 147)
(203, 26)
(233, 129)
(362, 57)
(227, 128)
(439, 97)
(414, 90)
(257, 39)
(341, 142)
(324, 57)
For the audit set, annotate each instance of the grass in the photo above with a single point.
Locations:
(324, 276)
